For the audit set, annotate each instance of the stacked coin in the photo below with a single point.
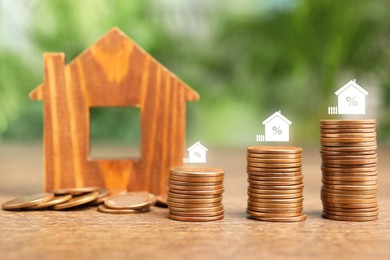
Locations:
(349, 170)
(128, 202)
(58, 199)
(275, 183)
(195, 194)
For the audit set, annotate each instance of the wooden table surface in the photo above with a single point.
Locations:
(86, 234)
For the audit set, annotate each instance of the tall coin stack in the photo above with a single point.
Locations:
(195, 194)
(349, 170)
(275, 183)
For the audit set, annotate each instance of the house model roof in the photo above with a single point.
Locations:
(277, 114)
(351, 83)
(197, 144)
(115, 43)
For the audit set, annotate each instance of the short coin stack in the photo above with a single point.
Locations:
(349, 170)
(275, 183)
(195, 194)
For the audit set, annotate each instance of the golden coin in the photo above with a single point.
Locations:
(161, 200)
(275, 174)
(191, 209)
(274, 149)
(274, 205)
(195, 219)
(197, 214)
(252, 196)
(56, 200)
(104, 209)
(253, 189)
(350, 205)
(274, 156)
(196, 172)
(77, 201)
(279, 187)
(273, 170)
(348, 192)
(272, 215)
(273, 161)
(351, 214)
(197, 192)
(28, 201)
(351, 178)
(75, 191)
(196, 188)
(344, 218)
(349, 141)
(103, 195)
(194, 205)
(346, 201)
(354, 170)
(275, 201)
(277, 219)
(195, 179)
(192, 196)
(186, 183)
(348, 135)
(274, 165)
(130, 200)
(343, 158)
(348, 196)
(195, 201)
(356, 131)
(275, 178)
(353, 183)
(370, 162)
(348, 145)
(351, 187)
(347, 121)
(353, 149)
(346, 153)
(275, 210)
(351, 210)
(273, 183)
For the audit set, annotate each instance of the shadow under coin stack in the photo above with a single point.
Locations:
(349, 170)
(275, 183)
(195, 194)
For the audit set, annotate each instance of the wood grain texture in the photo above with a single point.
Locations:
(114, 72)
(88, 234)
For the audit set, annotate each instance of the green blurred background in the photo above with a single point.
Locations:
(246, 58)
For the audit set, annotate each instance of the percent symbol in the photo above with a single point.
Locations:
(197, 154)
(277, 130)
(352, 101)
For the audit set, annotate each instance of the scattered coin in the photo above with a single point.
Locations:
(103, 195)
(77, 201)
(75, 191)
(28, 201)
(104, 209)
(56, 200)
(130, 200)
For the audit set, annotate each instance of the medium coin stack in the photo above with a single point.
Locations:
(195, 194)
(349, 170)
(275, 183)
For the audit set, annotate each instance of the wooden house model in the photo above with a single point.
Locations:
(113, 72)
